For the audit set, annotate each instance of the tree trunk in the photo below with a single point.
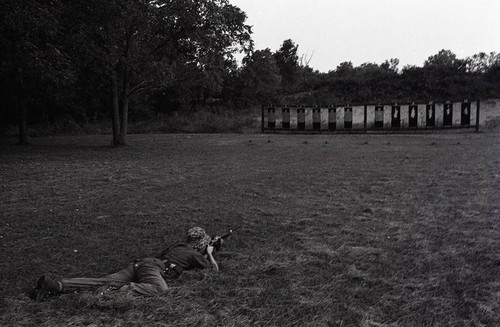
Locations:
(23, 124)
(124, 119)
(115, 112)
(124, 108)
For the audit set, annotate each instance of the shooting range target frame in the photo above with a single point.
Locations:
(413, 115)
(301, 119)
(465, 114)
(285, 113)
(332, 118)
(369, 117)
(430, 115)
(448, 114)
(316, 115)
(347, 118)
(396, 116)
(379, 116)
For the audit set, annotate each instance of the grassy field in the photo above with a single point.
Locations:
(340, 230)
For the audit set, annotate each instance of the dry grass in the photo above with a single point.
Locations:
(340, 230)
(204, 120)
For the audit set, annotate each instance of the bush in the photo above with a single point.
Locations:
(199, 121)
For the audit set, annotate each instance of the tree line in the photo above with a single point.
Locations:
(89, 60)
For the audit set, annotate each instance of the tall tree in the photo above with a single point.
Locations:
(390, 65)
(446, 76)
(345, 69)
(481, 62)
(444, 60)
(260, 76)
(287, 61)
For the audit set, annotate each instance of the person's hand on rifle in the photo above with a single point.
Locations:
(217, 242)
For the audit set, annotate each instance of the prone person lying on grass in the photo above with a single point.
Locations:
(144, 276)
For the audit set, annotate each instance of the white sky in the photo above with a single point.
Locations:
(334, 31)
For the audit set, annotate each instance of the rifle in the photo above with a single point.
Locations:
(216, 241)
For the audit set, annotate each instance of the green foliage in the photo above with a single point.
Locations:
(287, 61)
(345, 68)
(117, 49)
(444, 59)
(260, 77)
(482, 62)
(33, 67)
(152, 45)
(443, 77)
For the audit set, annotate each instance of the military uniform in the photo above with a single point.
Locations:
(144, 276)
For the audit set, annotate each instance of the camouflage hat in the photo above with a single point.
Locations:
(198, 239)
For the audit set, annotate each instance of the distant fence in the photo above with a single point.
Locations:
(352, 118)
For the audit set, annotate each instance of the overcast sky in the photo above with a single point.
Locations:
(329, 32)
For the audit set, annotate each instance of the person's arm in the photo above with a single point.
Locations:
(202, 261)
(210, 251)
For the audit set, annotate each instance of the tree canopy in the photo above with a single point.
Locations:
(287, 61)
(260, 77)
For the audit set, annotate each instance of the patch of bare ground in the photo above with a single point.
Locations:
(338, 230)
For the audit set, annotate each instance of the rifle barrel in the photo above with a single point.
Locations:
(230, 232)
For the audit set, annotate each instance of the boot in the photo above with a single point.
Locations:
(45, 288)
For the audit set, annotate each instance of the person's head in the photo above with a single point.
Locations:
(198, 239)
